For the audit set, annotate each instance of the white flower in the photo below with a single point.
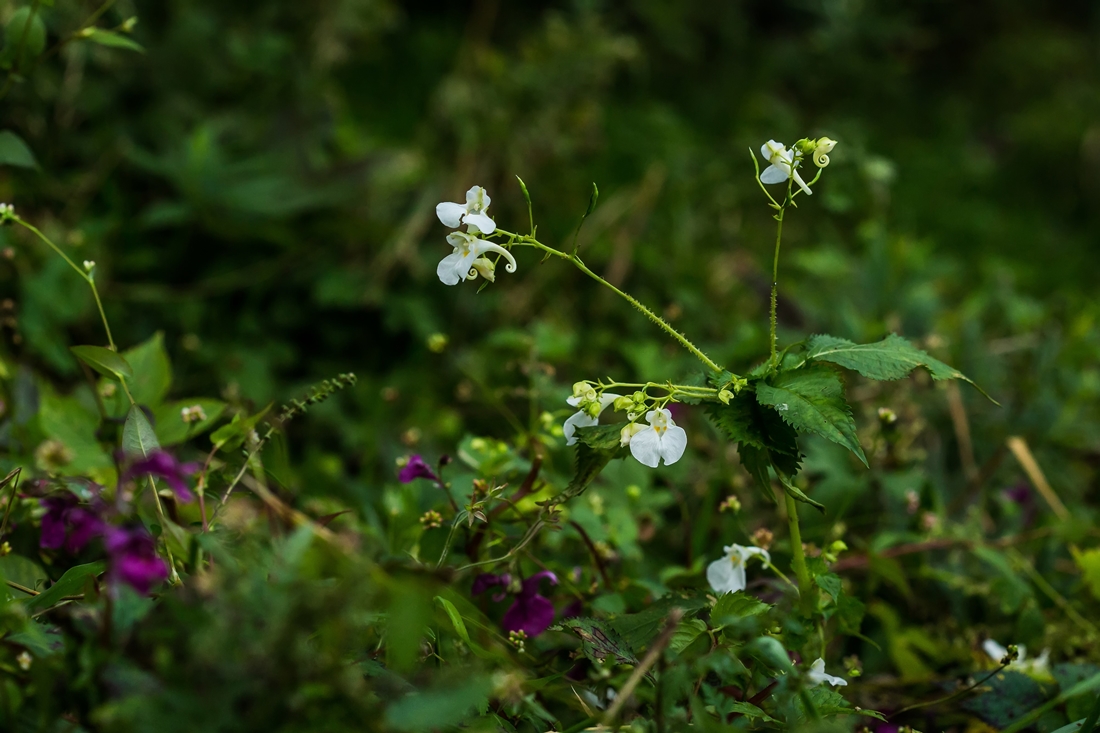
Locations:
(782, 165)
(822, 149)
(817, 675)
(728, 574)
(662, 439)
(629, 431)
(467, 262)
(1039, 665)
(584, 417)
(472, 214)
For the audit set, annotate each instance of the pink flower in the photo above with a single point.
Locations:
(134, 559)
(530, 613)
(68, 524)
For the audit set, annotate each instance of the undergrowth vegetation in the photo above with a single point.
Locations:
(744, 435)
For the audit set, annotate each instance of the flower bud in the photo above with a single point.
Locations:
(623, 404)
(725, 396)
(628, 432)
(823, 147)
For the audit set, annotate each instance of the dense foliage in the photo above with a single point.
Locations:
(265, 471)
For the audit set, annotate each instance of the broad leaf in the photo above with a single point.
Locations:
(152, 371)
(106, 362)
(732, 607)
(596, 446)
(171, 429)
(811, 400)
(138, 438)
(639, 629)
(70, 584)
(231, 436)
(599, 641)
(13, 151)
(886, 360)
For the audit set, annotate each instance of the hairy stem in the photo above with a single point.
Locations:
(660, 322)
(798, 556)
(775, 280)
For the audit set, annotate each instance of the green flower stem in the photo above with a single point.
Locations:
(532, 242)
(775, 278)
(111, 343)
(798, 556)
(674, 390)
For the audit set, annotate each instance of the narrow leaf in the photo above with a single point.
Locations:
(112, 39)
(797, 494)
(138, 437)
(106, 362)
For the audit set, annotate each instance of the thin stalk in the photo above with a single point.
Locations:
(660, 322)
(798, 556)
(775, 280)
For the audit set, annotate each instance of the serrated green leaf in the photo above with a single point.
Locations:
(13, 151)
(732, 607)
(106, 362)
(830, 583)
(70, 584)
(757, 462)
(687, 632)
(596, 446)
(849, 614)
(892, 358)
(138, 437)
(811, 400)
(750, 711)
(114, 40)
(638, 629)
(599, 641)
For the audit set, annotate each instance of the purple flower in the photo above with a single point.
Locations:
(531, 613)
(134, 559)
(416, 468)
(68, 524)
(164, 465)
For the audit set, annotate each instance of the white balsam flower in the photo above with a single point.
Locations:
(584, 417)
(782, 165)
(817, 675)
(1039, 665)
(728, 574)
(466, 262)
(662, 439)
(473, 214)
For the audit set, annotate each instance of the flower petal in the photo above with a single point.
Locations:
(485, 581)
(673, 443)
(804, 187)
(450, 214)
(577, 420)
(994, 650)
(774, 174)
(529, 614)
(531, 584)
(480, 223)
(481, 247)
(646, 447)
(726, 576)
(477, 199)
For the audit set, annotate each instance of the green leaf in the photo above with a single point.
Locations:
(70, 584)
(106, 362)
(1011, 695)
(768, 650)
(797, 494)
(811, 400)
(1089, 562)
(25, 35)
(232, 435)
(732, 607)
(763, 438)
(138, 438)
(152, 371)
(830, 583)
(440, 708)
(886, 360)
(596, 446)
(21, 570)
(115, 40)
(750, 711)
(687, 632)
(757, 462)
(599, 641)
(13, 151)
(639, 629)
(849, 614)
(171, 429)
(592, 200)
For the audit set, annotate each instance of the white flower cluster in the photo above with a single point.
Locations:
(468, 259)
(661, 439)
(785, 163)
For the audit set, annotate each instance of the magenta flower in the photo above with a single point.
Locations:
(416, 468)
(530, 613)
(164, 465)
(134, 559)
(68, 524)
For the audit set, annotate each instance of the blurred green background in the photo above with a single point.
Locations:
(261, 183)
